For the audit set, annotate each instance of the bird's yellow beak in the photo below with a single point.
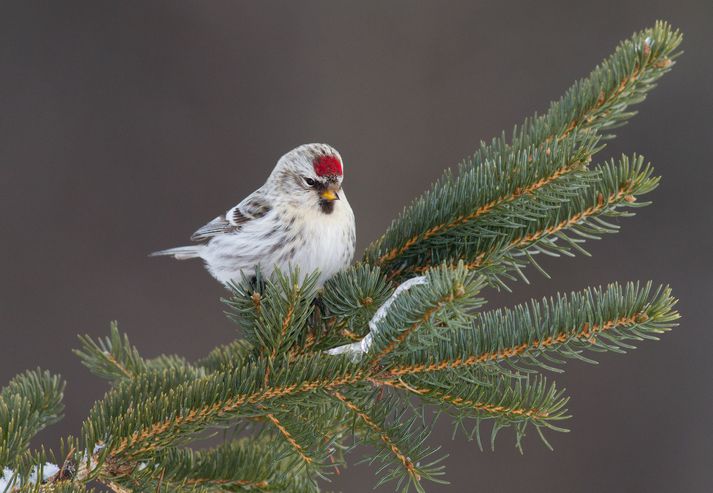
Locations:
(329, 195)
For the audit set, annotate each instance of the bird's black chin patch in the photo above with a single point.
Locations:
(326, 206)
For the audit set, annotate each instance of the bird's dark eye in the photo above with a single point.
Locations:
(310, 182)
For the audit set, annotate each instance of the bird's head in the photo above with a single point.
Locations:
(310, 175)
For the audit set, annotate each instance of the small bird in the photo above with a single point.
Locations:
(300, 218)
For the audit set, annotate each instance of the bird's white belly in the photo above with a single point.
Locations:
(329, 241)
(328, 249)
(313, 241)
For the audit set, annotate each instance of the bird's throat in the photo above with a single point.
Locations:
(326, 206)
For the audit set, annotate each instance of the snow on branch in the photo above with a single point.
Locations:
(359, 348)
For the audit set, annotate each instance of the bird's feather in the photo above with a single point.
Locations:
(217, 226)
(254, 206)
(180, 253)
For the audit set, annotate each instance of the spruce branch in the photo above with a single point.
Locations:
(602, 320)
(538, 223)
(28, 403)
(299, 449)
(509, 402)
(480, 395)
(272, 312)
(226, 356)
(362, 360)
(596, 319)
(616, 187)
(499, 173)
(116, 359)
(314, 431)
(158, 409)
(112, 357)
(443, 300)
(458, 209)
(254, 465)
(352, 297)
(399, 440)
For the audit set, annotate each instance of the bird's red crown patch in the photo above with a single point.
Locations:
(327, 165)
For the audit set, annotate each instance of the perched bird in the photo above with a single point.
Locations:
(300, 217)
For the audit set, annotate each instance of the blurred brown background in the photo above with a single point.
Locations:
(125, 126)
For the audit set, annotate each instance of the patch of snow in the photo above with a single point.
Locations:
(6, 479)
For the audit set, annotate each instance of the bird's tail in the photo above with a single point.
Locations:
(180, 253)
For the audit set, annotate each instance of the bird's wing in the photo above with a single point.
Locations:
(252, 207)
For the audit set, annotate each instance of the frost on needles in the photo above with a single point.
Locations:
(317, 372)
